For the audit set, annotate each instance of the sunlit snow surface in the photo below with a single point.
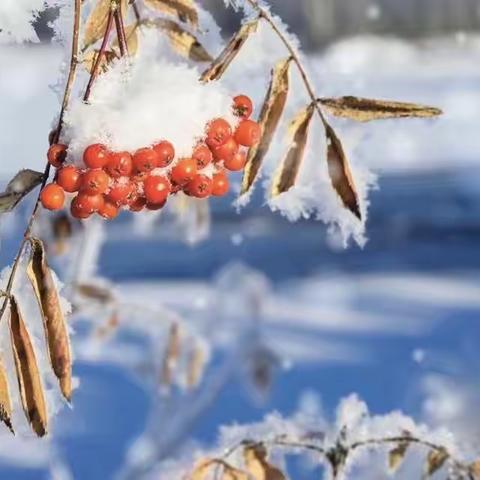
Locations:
(397, 322)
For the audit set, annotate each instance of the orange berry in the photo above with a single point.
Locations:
(242, 106)
(96, 156)
(56, 154)
(69, 178)
(220, 184)
(122, 193)
(145, 159)
(236, 163)
(119, 164)
(156, 189)
(89, 203)
(165, 152)
(218, 132)
(184, 171)
(202, 155)
(138, 204)
(52, 197)
(109, 210)
(79, 210)
(94, 182)
(200, 186)
(226, 151)
(248, 133)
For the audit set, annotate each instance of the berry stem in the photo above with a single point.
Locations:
(120, 27)
(66, 98)
(294, 55)
(101, 53)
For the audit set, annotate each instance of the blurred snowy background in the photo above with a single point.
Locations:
(396, 321)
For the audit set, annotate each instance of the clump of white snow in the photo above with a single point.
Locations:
(16, 18)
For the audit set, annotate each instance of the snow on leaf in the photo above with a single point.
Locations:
(181, 41)
(340, 173)
(219, 66)
(257, 465)
(185, 10)
(20, 186)
(270, 116)
(367, 109)
(435, 461)
(5, 402)
(56, 332)
(28, 376)
(287, 172)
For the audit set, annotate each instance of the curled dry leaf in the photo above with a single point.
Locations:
(340, 172)
(181, 41)
(172, 354)
(20, 186)
(5, 402)
(28, 376)
(397, 455)
(435, 461)
(287, 172)
(196, 365)
(270, 116)
(96, 23)
(90, 58)
(218, 67)
(201, 469)
(257, 465)
(132, 40)
(367, 109)
(184, 10)
(56, 331)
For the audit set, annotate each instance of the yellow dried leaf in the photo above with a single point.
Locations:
(90, 58)
(196, 366)
(5, 402)
(28, 376)
(201, 469)
(257, 465)
(96, 23)
(132, 40)
(340, 172)
(270, 116)
(474, 469)
(171, 355)
(435, 461)
(56, 331)
(287, 172)
(184, 10)
(367, 109)
(218, 67)
(230, 473)
(397, 455)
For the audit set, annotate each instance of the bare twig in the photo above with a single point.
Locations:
(120, 27)
(55, 138)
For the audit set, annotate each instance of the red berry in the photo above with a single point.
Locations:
(89, 203)
(96, 156)
(156, 189)
(202, 155)
(69, 178)
(226, 151)
(156, 206)
(108, 211)
(123, 192)
(145, 159)
(218, 132)
(184, 171)
(79, 209)
(52, 197)
(242, 106)
(220, 184)
(248, 133)
(200, 186)
(119, 164)
(165, 152)
(138, 204)
(94, 182)
(236, 163)
(56, 154)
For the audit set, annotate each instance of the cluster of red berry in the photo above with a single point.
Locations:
(114, 180)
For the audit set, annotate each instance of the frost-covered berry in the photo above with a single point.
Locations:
(94, 182)
(165, 152)
(56, 154)
(202, 155)
(95, 156)
(156, 189)
(227, 151)
(200, 187)
(218, 132)
(242, 106)
(119, 164)
(109, 210)
(145, 160)
(90, 203)
(236, 163)
(69, 178)
(220, 184)
(52, 197)
(248, 133)
(122, 192)
(79, 209)
(184, 171)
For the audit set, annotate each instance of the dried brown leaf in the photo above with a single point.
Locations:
(5, 402)
(201, 469)
(196, 366)
(28, 376)
(270, 116)
(287, 172)
(96, 23)
(172, 354)
(56, 330)
(435, 461)
(218, 67)
(367, 109)
(474, 469)
(20, 186)
(90, 58)
(257, 465)
(132, 40)
(184, 10)
(98, 293)
(340, 172)
(181, 41)
(397, 455)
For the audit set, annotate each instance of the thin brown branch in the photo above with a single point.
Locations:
(120, 28)
(55, 138)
